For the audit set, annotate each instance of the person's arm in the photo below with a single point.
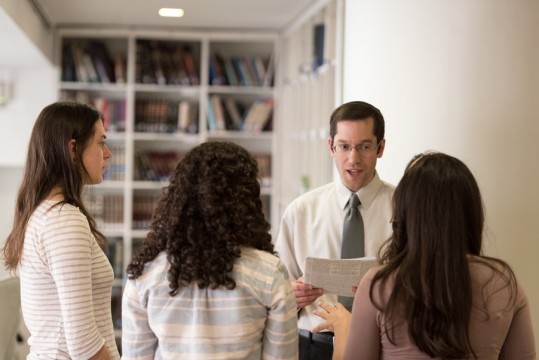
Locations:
(305, 294)
(337, 319)
(68, 244)
(102, 354)
(364, 332)
(280, 339)
(138, 340)
(520, 341)
(284, 246)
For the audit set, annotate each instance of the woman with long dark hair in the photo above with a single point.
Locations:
(66, 279)
(206, 283)
(435, 295)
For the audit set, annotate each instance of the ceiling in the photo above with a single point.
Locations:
(17, 50)
(206, 14)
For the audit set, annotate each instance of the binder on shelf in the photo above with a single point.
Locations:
(318, 46)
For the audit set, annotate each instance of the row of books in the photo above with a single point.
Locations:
(230, 114)
(165, 62)
(143, 208)
(155, 165)
(107, 209)
(160, 62)
(240, 70)
(166, 116)
(91, 61)
(113, 110)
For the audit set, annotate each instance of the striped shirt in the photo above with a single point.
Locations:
(66, 283)
(256, 320)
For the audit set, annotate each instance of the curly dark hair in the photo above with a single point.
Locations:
(210, 210)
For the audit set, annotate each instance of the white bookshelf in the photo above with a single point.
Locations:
(307, 96)
(130, 141)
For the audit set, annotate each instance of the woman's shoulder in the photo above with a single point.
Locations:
(258, 258)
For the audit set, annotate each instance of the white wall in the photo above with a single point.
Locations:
(34, 82)
(34, 88)
(10, 178)
(460, 77)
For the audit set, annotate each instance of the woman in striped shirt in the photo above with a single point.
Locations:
(206, 284)
(66, 279)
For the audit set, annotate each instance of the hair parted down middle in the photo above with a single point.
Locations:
(210, 210)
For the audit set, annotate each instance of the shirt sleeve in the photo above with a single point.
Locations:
(67, 242)
(281, 331)
(519, 343)
(364, 335)
(284, 244)
(138, 340)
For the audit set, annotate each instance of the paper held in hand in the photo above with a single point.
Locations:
(336, 276)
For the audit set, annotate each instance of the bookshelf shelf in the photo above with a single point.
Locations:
(156, 90)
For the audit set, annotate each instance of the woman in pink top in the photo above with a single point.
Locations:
(435, 296)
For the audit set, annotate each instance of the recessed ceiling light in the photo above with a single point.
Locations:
(170, 12)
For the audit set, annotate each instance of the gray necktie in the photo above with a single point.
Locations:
(353, 239)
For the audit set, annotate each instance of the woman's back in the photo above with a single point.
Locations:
(254, 320)
(500, 325)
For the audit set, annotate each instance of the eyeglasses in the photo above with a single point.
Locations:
(362, 149)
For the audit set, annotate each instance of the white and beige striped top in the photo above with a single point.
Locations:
(66, 283)
(256, 320)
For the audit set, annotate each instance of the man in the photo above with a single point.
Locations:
(312, 225)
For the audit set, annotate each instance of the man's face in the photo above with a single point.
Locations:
(356, 168)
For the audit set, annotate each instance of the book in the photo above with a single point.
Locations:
(233, 110)
(268, 78)
(218, 111)
(318, 46)
(190, 66)
(230, 72)
(212, 121)
(258, 115)
(104, 65)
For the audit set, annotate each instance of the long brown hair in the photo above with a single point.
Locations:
(210, 210)
(49, 164)
(437, 231)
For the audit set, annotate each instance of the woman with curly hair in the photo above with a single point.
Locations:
(435, 294)
(205, 283)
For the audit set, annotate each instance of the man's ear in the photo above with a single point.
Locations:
(381, 148)
(72, 147)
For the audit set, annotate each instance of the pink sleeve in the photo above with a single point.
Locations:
(364, 335)
(519, 343)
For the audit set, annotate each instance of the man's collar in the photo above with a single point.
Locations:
(366, 194)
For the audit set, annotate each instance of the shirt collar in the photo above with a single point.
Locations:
(366, 194)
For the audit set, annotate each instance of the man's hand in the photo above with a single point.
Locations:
(305, 294)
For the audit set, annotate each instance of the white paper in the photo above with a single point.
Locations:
(336, 276)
